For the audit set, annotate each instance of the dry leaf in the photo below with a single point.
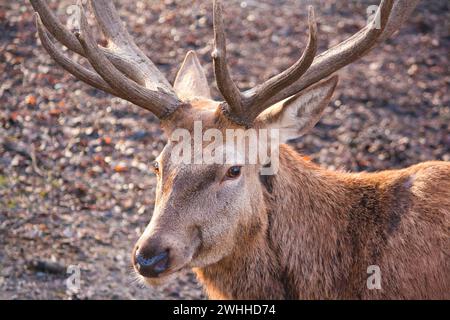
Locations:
(30, 100)
(120, 168)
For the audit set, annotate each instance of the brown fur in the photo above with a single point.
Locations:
(306, 232)
(325, 228)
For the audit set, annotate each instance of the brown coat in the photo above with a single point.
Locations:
(325, 228)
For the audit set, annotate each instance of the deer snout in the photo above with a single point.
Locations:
(161, 252)
(150, 261)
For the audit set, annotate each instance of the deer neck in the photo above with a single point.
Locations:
(299, 254)
(308, 214)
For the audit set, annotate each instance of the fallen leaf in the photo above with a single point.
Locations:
(55, 112)
(107, 140)
(30, 100)
(14, 115)
(120, 168)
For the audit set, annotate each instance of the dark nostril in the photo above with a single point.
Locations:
(152, 266)
(150, 261)
(162, 263)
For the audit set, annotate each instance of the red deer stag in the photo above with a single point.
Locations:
(302, 233)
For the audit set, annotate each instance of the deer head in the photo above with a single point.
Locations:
(205, 211)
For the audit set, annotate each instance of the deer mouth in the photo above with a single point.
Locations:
(163, 277)
(160, 277)
(176, 263)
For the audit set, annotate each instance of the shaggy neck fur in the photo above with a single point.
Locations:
(267, 265)
(323, 230)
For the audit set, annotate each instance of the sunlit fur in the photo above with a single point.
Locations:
(305, 233)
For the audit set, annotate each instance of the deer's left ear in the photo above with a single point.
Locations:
(191, 79)
(298, 114)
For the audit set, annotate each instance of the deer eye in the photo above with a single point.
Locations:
(155, 167)
(234, 172)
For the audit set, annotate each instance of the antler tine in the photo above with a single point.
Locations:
(400, 12)
(392, 16)
(135, 66)
(258, 96)
(72, 67)
(55, 27)
(59, 31)
(120, 41)
(245, 107)
(226, 85)
(161, 104)
(122, 69)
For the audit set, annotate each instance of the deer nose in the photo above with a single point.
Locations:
(150, 264)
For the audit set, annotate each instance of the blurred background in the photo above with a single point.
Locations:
(75, 183)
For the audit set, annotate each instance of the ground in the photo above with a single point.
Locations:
(75, 183)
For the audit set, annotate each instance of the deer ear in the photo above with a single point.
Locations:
(298, 114)
(191, 79)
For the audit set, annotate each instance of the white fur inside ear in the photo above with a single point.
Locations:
(298, 114)
(191, 80)
(301, 114)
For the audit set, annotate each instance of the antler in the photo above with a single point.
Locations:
(244, 107)
(122, 68)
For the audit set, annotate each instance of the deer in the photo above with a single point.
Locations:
(304, 232)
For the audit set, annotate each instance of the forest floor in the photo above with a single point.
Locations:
(75, 183)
